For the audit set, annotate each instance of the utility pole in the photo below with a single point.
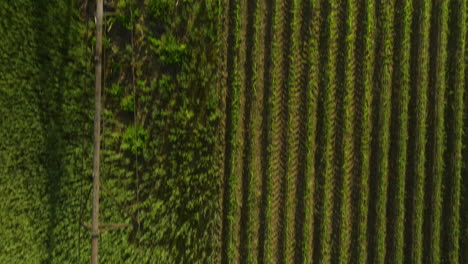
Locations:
(96, 227)
(97, 135)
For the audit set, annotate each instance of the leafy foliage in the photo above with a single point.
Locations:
(318, 131)
(158, 132)
(45, 111)
(158, 139)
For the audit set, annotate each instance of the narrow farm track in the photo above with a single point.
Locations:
(342, 132)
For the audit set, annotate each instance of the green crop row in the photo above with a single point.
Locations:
(366, 127)
(346, 169)
(441, 16)
(402, 70)
(293, 130)
(253, 128)
(421, 82)
(457, 77)
(383, 127)
(312, 101)
(235, 85)
(328, 133)
(275, 162)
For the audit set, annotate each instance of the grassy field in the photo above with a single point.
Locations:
(343, 131)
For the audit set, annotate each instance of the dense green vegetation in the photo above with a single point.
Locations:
(236, 131)
(159, 173)
(45, 131)
(363, 137)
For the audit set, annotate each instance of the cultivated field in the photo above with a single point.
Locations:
(342, 132)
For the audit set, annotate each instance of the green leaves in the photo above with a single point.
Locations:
(169, 51)
(134, 139)
(127, 104)
(159, 10)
